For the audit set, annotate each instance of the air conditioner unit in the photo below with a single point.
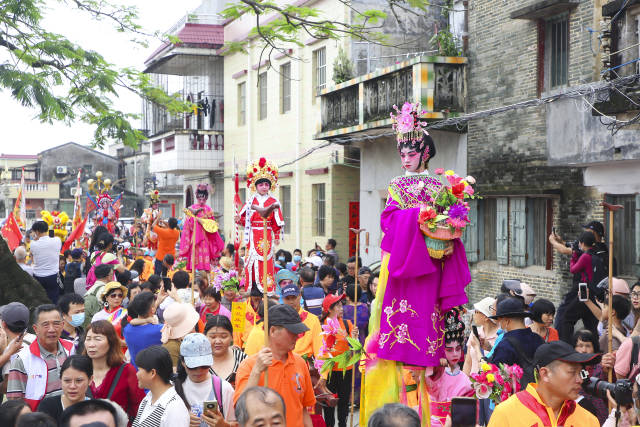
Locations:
(61, 170)
(75, 191)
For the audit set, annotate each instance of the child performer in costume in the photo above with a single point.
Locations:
(262, 180)
(209, 244)
(452, 382)
(148, 217)
(414, 290)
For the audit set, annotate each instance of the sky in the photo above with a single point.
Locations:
(24, 134)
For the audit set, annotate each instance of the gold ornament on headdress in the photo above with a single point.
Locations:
(154, 196)
(262, 169)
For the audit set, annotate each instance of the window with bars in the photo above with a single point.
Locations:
(242, 103)
(262, 96)
(320, 70)
(626, 233)
(285, 87)
(285, 202)
(509, 230)
(319, 207)
(557, 51)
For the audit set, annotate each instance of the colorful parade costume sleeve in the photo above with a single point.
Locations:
(209, 244)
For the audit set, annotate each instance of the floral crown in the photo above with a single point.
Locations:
(453, 326)
(104, 196)
(226, 280)
(262, 169)
(154, 196)
(407, 124)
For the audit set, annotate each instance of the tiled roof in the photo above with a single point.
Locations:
(205, 36)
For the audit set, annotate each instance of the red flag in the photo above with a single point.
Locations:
(76, 234)
(89, 207)
(11, 232)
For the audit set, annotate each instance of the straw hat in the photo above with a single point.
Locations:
(179, 320)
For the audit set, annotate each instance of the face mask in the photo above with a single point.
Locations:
(280, 258)
(297, 258)
(77, 319)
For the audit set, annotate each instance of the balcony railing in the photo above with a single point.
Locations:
(181, 151)
(209, 116)
(365, 102)
(33, 190)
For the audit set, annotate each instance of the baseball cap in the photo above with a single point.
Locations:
(560, 350)
(15, 314)
(285, 316)
(329, 300)
(315, 260)
(290, 291)
(196, 351)
(595, 226)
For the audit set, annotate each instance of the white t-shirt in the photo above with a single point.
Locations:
(46, 256)
(175, 413)
(196, 393)
(27, 268)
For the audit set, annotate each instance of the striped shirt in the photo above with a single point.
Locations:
(18, 376)
(238, 357)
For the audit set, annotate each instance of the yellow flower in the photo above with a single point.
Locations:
(463, 181)
(491, 378)
(486, 367)
(449, 172)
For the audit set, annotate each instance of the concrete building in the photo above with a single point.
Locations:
(274, 109)
(38, 193)
(187, 149)
(550, 166)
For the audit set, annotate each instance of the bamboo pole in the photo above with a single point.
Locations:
(355, 318)
(265, 286)
(193, 258)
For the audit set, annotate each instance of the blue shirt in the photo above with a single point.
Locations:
(505, 353)
(140, 337)
(313, 296)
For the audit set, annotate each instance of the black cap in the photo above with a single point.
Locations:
(285, 316)
(560, 350)
(595, 226)
(510, 307)
(15, 314)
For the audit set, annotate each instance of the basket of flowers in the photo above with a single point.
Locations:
(446, 217)
(496, 382)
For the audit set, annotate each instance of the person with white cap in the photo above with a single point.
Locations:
(487, 333)
(195, 383)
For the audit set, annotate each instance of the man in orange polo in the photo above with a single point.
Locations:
(550, 402)
(288, 373)
(168, 234)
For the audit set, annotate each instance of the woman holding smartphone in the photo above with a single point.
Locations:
(198, 386)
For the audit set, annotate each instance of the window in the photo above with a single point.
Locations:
(320, 70)
(556, 52)
(169, 143)
(318, 209)
(285, 202)
(510, 230)
(285, 88)
(626, 233)
(242, 104)
(157, 146)
(262, 96)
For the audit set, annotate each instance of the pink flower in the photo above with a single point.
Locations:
(504, 396)
(516, 371)
(403, 306)
(471, 180)
(468, 190)
(439, 171)
(332, 327)
(483, 391)
(457, 223)
(318, 363)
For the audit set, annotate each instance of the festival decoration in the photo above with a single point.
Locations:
(262, 169)
(496, 382)
(223, 280)
(149, 215)
(326, 361)
(108, 209)
(57, 222)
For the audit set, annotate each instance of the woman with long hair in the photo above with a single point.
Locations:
(226, 356)
(162, 406)
(336, 343)
(112, 378)
(196, 383)
(75, 375)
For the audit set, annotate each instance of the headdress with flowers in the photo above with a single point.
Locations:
(225, 280)
(410, 130)
(154, 197)
(453, 326)
(262, 169)
(202, 189)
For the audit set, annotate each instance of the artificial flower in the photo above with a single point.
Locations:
(439, 171)
(318, 363)
(332, 327)
(471, 180)
(456, 223)
(468, 190)
(426, 215)
(485, 367)
(483, 391)
(450, 172)
(458, 190)
(491, 378)
(458, 211)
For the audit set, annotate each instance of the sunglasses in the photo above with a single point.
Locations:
(115, 296)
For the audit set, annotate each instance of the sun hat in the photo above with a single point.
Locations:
(620, 286)
(484, 306)
(315, 260)
(179, 319)
(510, 307)
(196, 351)
(111, 286)
(284, 274)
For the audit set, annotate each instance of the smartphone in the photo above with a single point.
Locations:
(553, 230)
(474, 328)
(464, 412)
(52, 234)
(210, 404)
(582, 292)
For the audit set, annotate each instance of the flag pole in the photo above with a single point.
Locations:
(357, 232)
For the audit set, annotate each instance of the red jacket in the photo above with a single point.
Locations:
(127, 394)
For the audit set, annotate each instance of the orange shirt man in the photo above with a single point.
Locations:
(288, 373)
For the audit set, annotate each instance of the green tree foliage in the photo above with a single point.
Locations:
(64, 82)
(342, 67)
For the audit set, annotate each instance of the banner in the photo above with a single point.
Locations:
(238, 313)
(20, 207)
(11, 232)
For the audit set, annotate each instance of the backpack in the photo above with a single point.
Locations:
(600, 269)
(524, 362)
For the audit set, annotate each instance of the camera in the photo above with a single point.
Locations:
(621, 390)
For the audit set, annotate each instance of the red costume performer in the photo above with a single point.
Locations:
(262, 179)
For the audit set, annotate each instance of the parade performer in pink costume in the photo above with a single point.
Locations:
(209, 244)
(262, 180)
(414, 290)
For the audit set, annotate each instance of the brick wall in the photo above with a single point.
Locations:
(507, 153)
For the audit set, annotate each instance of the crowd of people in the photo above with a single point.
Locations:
(132, 338)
